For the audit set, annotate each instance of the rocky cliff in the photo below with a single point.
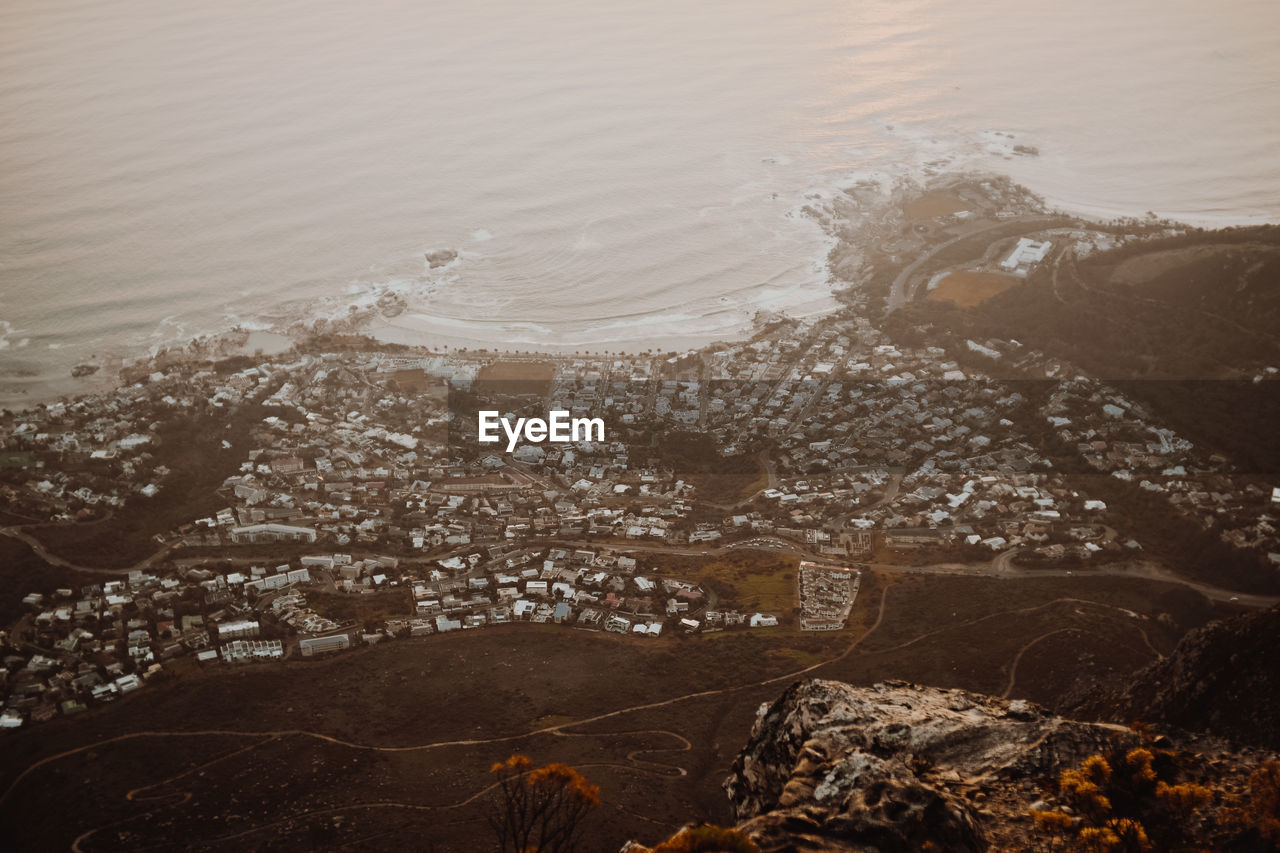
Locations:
(898, 768)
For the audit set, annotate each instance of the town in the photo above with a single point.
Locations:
(355, 503)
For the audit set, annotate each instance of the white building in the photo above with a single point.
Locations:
(239, 629)
(319, 645)
(240, 651)
(1025, 255)
(254, 533)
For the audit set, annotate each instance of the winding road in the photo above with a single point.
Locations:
(898, 295)
(261, 738)
(20, 533)
(634, 760)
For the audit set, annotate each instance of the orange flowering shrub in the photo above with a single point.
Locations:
(539, 810)
(707, 839)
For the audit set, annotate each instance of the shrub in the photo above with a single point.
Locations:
(539, 809)
(1261, 811)
(707, 839)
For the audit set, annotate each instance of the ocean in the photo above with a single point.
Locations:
(615, 175)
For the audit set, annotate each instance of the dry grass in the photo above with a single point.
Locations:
(516, 377)
(548, 720)
(391, 603)
(761, 580)
(1145, 267)
(418, 382)
(728, 489)
(967, 289)
(932, 205)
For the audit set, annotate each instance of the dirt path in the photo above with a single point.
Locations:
(1018, 611)
(170, 799)
(1013, 667)
(559, 729)
(634, 761)
(43, 553)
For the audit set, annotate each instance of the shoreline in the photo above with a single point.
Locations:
(848, 220)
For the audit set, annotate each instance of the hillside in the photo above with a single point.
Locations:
(1221, 679)
(1183, 323)
(1203, 305)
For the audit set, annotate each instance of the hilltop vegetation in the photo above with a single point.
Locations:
(1183, 323)
(1204, 305)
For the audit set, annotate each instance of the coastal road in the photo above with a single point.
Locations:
(1000, 566)
(898, 295)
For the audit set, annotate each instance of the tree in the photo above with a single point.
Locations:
(539, 811)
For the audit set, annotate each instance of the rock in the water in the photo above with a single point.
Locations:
(440, 257)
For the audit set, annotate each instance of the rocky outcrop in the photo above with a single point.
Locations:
(896, 767)
(440, 257)
(899, 768)
(1221, 679)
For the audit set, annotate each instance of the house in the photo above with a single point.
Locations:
(241, 628)
(1025, 255)
(241, 651)
(912, 538)
(320, 645)
(128, 683)
(287, 465)
(270, 532)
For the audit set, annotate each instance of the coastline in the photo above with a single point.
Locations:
(852, 219)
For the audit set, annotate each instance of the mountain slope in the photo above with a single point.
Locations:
(1221, 679)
